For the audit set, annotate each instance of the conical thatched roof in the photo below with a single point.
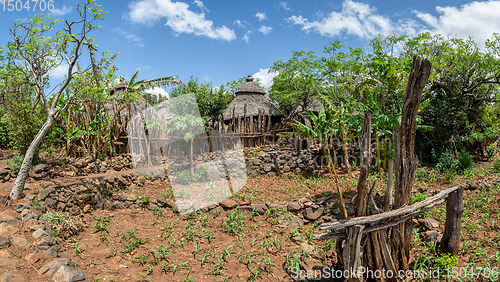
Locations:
(249, 87)
(251, 96)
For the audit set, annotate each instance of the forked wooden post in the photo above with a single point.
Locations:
(453, 226)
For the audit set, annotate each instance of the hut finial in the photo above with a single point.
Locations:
(249, 78)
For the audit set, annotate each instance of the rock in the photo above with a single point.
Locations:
(118, 205)
(260, 208)
(245, 209)
(75, 210)
(50, 202)
(5, 217)
(31, 258)
(312, 213)
(86, 208)
(45, 192)
(20, 207)
(4, 242)
(294, 206)
(292, 224)
(52, 266)
(40, 168)
(471, 187)
(4, 172)
(10, 263)
(429, 223)
(162, 199)
(228, 204)
(431, 235)
(67, 273)
(19, 241)
(7, 229)
(51, 252)
(82, 162)
(7, 277)
(39, 234)
(70, 173)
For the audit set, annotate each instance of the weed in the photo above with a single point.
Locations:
(234, 224)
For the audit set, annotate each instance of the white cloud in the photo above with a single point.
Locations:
(266, 78)
(201, 6)
(356, 18)
(60, 71)
(156, 91)
(284, 5)
(131, 37)
(60, 12)
(265, 29)
(178, 17)
(246, 37)
(477, 19)
(261, 16)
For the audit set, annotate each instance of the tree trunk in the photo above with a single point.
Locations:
(388, 192)
(345, 147)
(23, 174)
(363, 187)
(406, 160)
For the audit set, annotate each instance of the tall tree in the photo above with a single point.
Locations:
(37, 48)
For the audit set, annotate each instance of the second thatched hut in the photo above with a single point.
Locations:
(252, 114)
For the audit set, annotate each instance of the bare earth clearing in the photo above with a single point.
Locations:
(141, 243)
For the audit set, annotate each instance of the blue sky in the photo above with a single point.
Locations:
(220, 41)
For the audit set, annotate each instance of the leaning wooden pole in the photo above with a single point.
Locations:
(406, 160)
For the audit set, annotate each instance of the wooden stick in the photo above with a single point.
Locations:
(342, 233)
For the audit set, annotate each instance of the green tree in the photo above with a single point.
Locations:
(463, 90)
(37, 48)
(212, 101)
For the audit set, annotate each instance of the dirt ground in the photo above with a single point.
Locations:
(160, 245)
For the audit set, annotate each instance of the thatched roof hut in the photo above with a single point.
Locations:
(251, 101)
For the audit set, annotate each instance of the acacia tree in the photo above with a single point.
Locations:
(37, 49)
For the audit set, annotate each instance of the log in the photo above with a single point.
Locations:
(453, 226)
(387, 215)
(342, 233)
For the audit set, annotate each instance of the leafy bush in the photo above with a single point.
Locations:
(491, 150)
(448, 161)
(201, 173)
(465, 161)
(496, 165)
(184, 177)
(15, 162)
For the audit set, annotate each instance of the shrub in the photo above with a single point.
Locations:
(465, 161)
(15, 162)
(448, 161)
(184, 177)
(496, 165)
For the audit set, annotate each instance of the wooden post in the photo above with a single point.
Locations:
(351, 254)
(452, 230)
(406, 160)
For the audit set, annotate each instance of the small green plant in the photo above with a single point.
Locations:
(144, 201)
(78, 248)
(132, 242)
(157, 211)
(234, 224)
(54, 218)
